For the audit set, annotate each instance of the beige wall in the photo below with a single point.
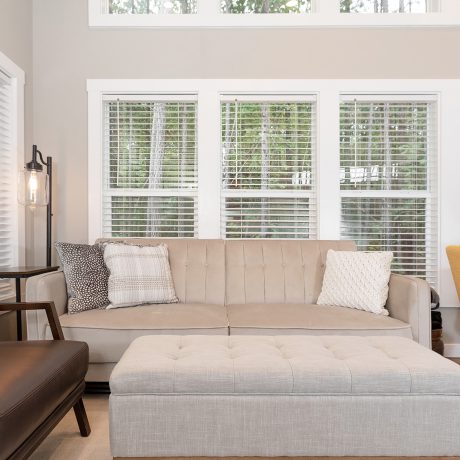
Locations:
(16, 43)
(67, 52)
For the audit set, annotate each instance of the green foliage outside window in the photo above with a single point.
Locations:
(151, 149)
(267, 146)
(387, 147)
(383, 6)
(152, 6)
(265, 6)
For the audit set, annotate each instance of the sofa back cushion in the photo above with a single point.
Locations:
(197, 267)
(277, 271)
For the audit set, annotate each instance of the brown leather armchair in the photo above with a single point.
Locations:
(40, 381)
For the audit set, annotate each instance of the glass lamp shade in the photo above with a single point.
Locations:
(33, 188)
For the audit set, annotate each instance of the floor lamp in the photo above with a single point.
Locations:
(35, 190)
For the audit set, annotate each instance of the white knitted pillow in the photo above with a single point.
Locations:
(138, 275)
(357, 280)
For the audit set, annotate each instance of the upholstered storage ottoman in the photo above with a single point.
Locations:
(216, 396)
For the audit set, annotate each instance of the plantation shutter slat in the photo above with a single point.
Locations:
(150, 168)
(7, 176)
(388, 178)
(268, 171)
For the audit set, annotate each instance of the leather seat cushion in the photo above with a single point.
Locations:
(280, 319)
(109, 332)
(36, 377)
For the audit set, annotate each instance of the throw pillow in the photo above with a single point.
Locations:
(138, 275)
(357, 280)
(86, 276)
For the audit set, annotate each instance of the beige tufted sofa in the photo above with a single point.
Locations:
(251, 287)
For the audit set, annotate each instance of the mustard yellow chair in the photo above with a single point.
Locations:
(453, 254)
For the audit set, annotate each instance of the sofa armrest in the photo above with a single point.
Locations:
(49, 287)
(409, 300)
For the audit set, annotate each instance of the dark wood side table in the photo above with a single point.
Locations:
(22, 272)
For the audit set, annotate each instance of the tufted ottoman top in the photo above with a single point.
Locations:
(282, 365)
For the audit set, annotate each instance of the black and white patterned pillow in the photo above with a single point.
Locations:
(86, 276)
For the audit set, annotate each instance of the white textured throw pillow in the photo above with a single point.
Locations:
(357, 280)
(138, 275)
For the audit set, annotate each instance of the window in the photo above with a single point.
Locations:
(326, 159)
(149, 6)
(11, 144)
(388, 180)
(268, 175)
(264, 6)
(386, 6)
(272, 13)
(150, 169)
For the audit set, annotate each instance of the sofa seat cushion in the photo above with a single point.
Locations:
(36, 377)
(278, 319)
(109, 332)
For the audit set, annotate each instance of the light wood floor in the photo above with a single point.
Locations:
(65, 442)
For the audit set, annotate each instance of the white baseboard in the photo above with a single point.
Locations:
(452, 350)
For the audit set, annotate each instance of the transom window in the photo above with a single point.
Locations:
(386, 6)
(149, 6)
(266, 6)
(272, 13)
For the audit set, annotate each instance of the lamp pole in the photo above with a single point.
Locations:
(36, 166)
(49, 211)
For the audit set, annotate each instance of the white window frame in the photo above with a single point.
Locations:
(328, 93)
(17, 79)
(325, 13)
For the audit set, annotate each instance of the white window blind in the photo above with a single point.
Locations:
(8, 202)
(265, 6)
(150, 167)
(268, 167)
(156, 7)
(386, 6)
(388, 157)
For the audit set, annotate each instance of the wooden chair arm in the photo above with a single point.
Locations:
(49, 308)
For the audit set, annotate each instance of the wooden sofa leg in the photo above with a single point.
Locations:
(82, 419)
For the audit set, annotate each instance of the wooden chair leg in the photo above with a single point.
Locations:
(82, 419)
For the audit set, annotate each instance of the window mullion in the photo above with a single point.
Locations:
(329, 165)
(209, 184)
(208, 8)
(327, 7)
